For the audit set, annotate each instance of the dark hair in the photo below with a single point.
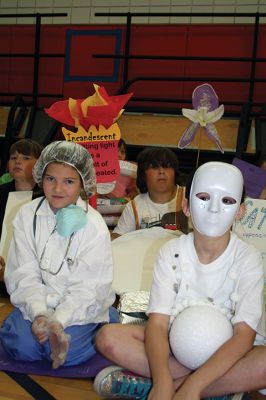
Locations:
(261, 160)
(121, 142)
(28, 147)
(189, 184)
(155, 157)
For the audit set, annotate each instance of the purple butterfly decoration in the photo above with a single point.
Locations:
(206, 111)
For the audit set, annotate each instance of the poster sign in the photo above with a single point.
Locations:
(252, 226)
(254, 177)
(102, 144)
(95, 119)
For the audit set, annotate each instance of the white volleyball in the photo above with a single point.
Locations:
(196, 333)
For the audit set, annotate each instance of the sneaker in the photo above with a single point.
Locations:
(115, 382)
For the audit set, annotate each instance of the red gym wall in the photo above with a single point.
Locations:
(73, 75)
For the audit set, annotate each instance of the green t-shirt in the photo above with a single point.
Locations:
(5, 178)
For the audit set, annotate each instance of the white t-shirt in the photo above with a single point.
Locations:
(81, 291)
(149, 213)
(233, 282)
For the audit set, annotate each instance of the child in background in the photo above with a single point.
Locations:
(59, 268)
(22, 157)
(112, 204)
(125, 187)
(122, 150)
(23, 154)
(157, 181)
(210, 265)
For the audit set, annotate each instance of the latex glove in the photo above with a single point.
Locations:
(39, 328)
(59, 343)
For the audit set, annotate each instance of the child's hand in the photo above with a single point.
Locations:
(40, 328)
(59, 343)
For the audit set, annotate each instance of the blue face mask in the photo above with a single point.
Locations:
(70, 219)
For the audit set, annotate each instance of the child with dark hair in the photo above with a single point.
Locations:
(22, 157)
(23, 154)
(111, 204)
(160, 194)
(125, 186)
(122, 149)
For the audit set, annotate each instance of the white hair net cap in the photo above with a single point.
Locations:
(72, 154)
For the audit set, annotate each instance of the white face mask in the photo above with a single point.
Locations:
(215, 198)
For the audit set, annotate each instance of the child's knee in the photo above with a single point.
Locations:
(101, 337)
(106, 338)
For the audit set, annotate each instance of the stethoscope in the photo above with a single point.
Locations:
(67, 259)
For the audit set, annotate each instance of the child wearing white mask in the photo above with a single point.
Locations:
(209, 266)
(59, 268)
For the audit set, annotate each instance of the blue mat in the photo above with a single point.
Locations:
(86, 370)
